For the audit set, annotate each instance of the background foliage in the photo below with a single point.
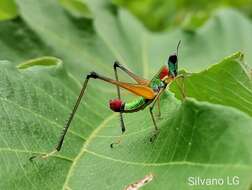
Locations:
(160, 15)
(46, 49)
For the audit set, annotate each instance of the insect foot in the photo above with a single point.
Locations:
(154, 136)
(159, 116)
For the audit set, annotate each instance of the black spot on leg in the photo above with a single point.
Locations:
(116, 64)
(92, 75)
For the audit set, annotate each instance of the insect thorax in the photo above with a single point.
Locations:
(156, 84)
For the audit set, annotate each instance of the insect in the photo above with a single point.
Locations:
(149, 92)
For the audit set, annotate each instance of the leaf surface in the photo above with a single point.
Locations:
(8, 9)
(227, 83)
(196, 138)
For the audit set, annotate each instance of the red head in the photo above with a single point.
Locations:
(115, 105)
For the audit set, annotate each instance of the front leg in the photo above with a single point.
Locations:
(159, 109)
(156, 131)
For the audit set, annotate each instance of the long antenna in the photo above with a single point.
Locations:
(178, 46)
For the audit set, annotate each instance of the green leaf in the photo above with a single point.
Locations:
(36, 97)
(227, 83)
(196, 139)
(8, 9)
(77, 8)
(35, 101)
(159, 15)
(194, 21)
(121, 38)
(59, 35)
(132, 44)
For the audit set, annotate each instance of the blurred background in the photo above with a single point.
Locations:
(199, 24)
(160, 15)
(157, 15)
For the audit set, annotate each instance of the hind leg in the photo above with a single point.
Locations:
(117, 106)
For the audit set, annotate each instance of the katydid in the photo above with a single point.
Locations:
(149, 92)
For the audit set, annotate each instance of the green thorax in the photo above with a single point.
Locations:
(156, 84)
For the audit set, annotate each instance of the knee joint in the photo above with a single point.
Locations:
(116, 64)
(92, 75)
(123, 129)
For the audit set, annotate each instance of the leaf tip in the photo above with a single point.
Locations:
(42, 61)
(237, 55)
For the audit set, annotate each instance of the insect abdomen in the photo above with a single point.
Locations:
(133, 105)
(119, 106)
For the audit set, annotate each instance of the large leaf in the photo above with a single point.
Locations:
(196, 139)
(76, 8)
(8, 9)
(227, 83)
(34, 104)
(122, 37)
(132, 44)
(36, 100)
(163, 14)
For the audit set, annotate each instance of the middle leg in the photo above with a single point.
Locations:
(156, 130)
(138, 79)
(120, 113)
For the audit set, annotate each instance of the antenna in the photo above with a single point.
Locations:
(178, 46)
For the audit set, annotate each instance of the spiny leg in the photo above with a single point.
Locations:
(159, 110)
(116, 64)
(153, 119)
(119, 140)
(152, 115)
(138, 79)
(153, 137)
(64, 131)
(134, 88)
